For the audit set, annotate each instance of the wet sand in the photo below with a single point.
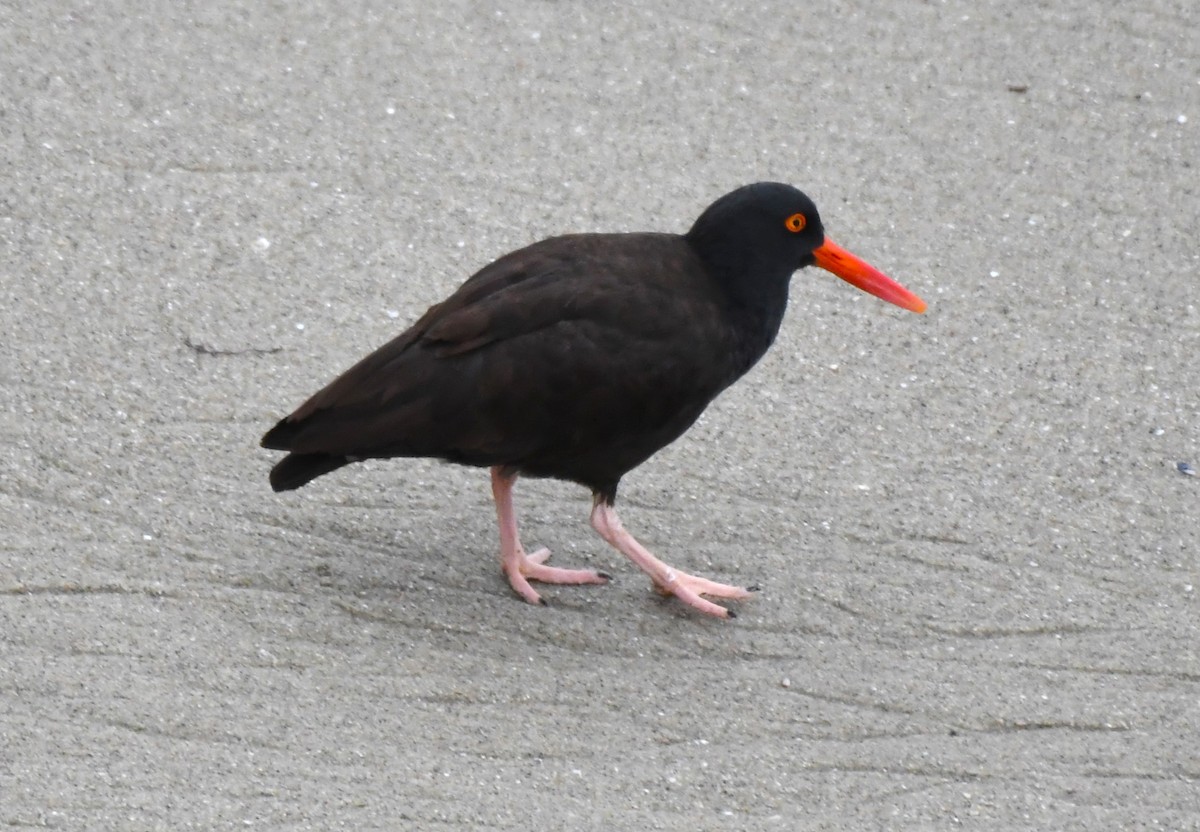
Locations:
(977, 551)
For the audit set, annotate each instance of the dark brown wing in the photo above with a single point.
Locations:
(576, 357)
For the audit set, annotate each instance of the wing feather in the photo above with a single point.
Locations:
(551, 352)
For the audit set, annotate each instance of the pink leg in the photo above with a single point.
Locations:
(520, 567)
(667, 581)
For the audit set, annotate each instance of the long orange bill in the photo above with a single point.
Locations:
(833, 258)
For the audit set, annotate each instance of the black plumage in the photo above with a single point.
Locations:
(576, 358)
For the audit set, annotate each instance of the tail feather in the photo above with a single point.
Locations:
(294, 470)
(279, 438)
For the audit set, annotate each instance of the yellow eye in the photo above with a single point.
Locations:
(795, 223)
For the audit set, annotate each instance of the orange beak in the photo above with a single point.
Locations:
(834, 258)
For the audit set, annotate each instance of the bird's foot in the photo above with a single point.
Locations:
(688, 589)
(521, 568)
(667, 580)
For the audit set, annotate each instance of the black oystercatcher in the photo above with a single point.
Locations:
(577, 358)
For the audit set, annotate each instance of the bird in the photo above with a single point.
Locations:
(577, 358)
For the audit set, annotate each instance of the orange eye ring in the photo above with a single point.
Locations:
(795, 223)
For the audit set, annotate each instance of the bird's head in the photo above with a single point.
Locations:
(764, 232)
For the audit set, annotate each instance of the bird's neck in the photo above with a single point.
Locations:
(755, 288)
(756, 317)
(757, 296)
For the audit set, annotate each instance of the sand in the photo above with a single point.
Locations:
(977, 550)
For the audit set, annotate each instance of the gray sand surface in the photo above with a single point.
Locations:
(979, 557)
